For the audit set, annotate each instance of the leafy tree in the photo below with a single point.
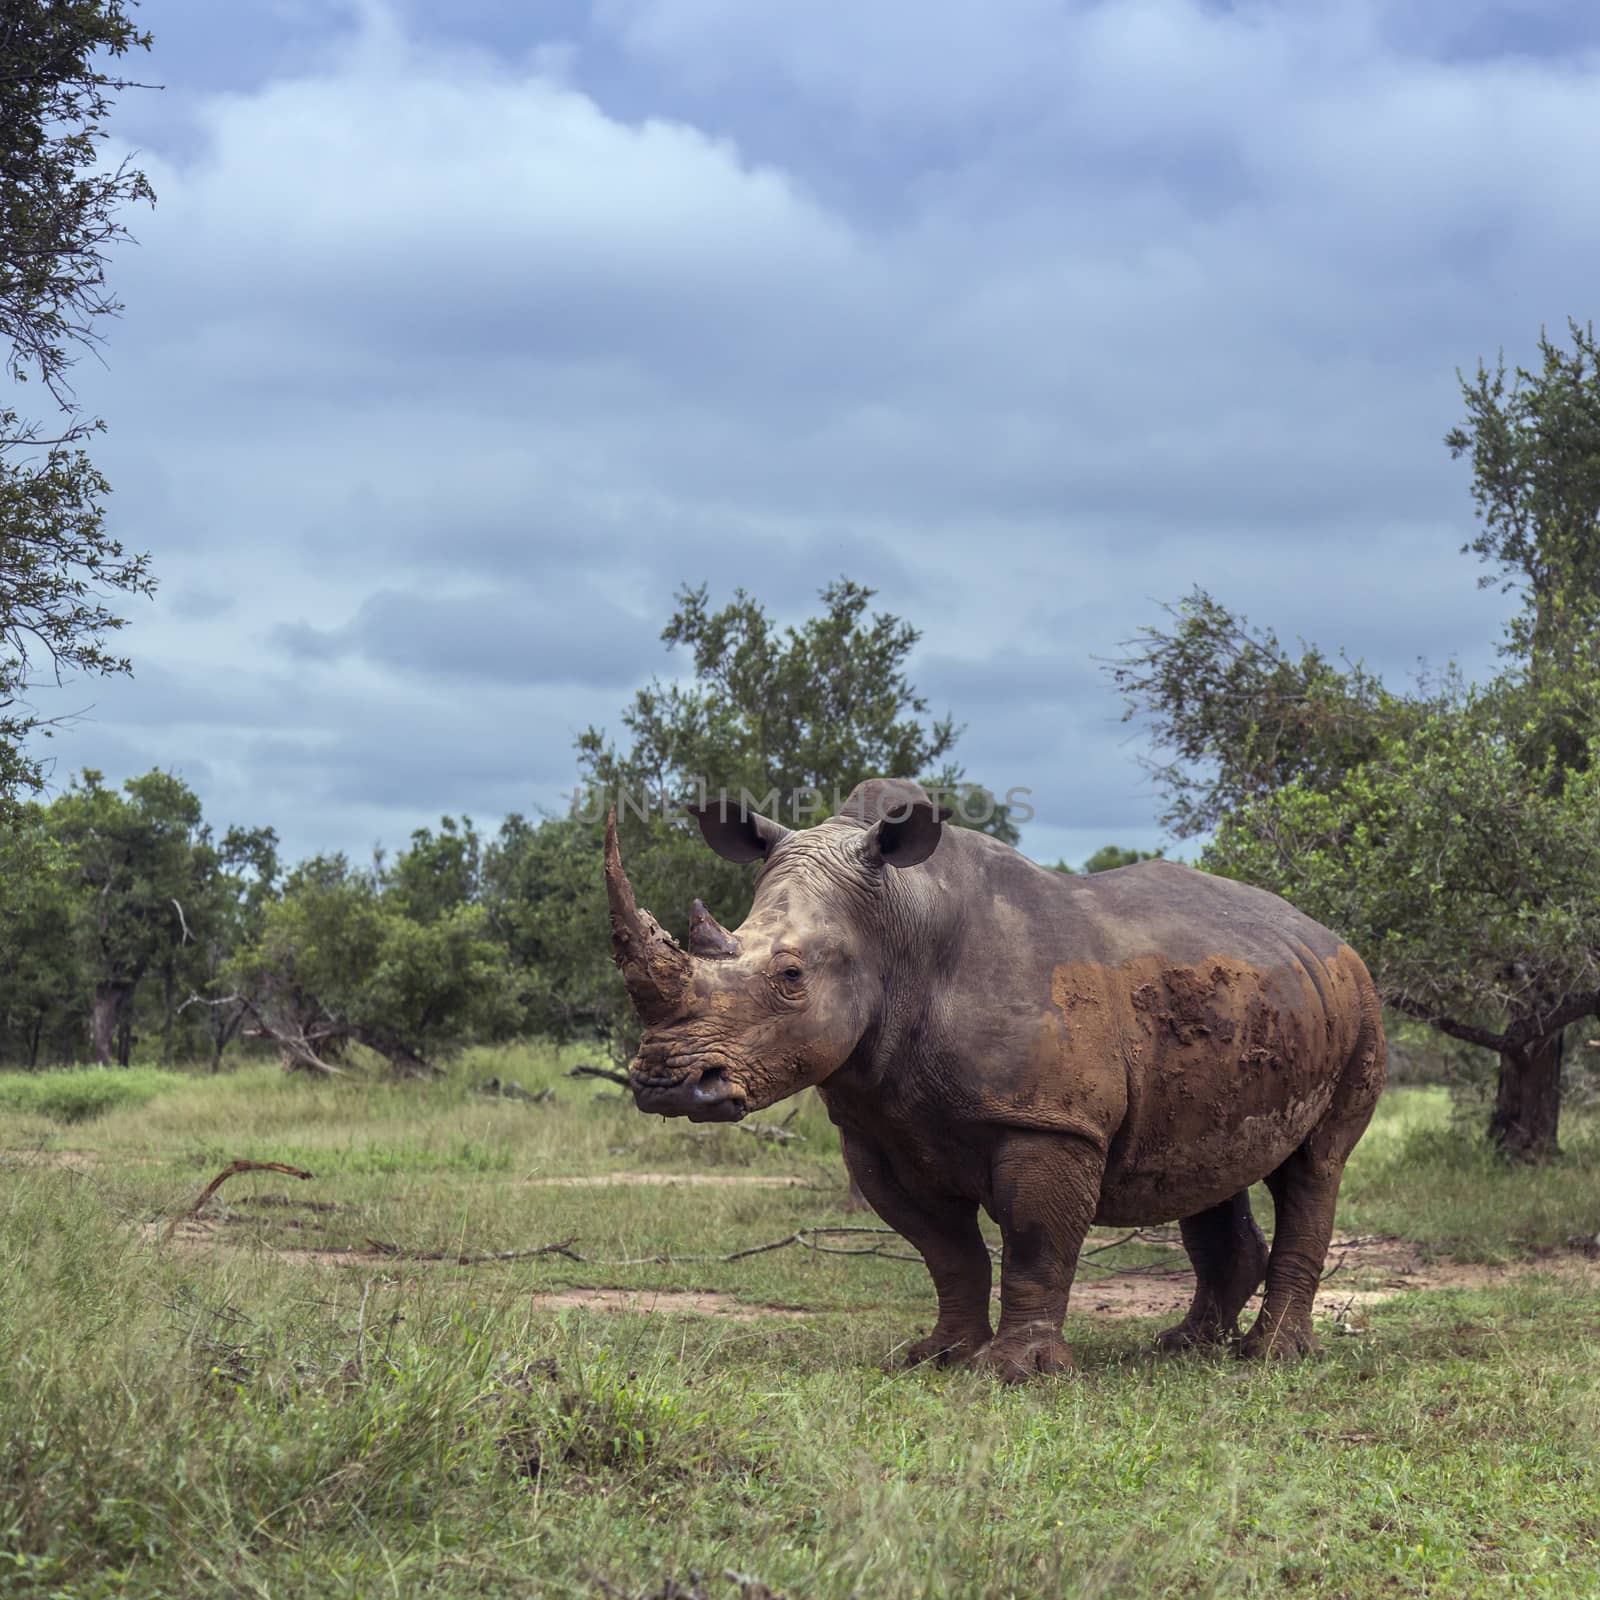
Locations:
(38, 953)
(1449, 832)
(543, 889)
(59, 209)
(237, 890)
(1237, 715)
(793, 717)
(136, 863)
(339, 959)
(439, 873)
(1534, 443)
(1109, 857)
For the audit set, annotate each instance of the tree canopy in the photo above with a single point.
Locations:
(60, 211)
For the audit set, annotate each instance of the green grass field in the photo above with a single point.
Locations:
(283, 1397)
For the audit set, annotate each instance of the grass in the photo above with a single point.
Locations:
(80, 1094)
(232, 1420)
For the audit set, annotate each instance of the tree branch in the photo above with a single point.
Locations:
(1465, 1031)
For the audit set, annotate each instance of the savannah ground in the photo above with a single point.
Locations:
(279, 1397)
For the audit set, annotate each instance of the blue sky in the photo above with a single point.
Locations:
(462, 335)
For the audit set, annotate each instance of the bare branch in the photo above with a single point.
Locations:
(608, 1073)
(230, 1171)
(563, 1248)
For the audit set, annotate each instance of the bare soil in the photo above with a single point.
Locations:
(689, 1180)
(703, 1302)
(1361, 1272)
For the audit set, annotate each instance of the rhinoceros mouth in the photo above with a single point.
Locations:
(704, 1097)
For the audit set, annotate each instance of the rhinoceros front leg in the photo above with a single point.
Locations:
(944, 1230)
(1046, 1188)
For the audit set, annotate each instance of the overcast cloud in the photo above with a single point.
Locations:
(461, 336)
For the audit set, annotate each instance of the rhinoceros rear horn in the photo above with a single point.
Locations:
(708, 938)
(654, 968)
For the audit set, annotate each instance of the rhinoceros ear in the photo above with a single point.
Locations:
(734, 832)
(907, 835)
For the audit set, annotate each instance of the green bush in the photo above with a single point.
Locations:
(77, 1094)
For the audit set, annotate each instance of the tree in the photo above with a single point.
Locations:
(38, 953)
(58, 222)
(135, 864)
(237, 890)
(1109, 857)
(1238, 715)
(1449, 831)
(338, 959)
(439, 873)
(542, 889)
(794, 717)
(1534, 444)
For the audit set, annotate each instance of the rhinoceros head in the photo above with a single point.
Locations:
(742, 1019)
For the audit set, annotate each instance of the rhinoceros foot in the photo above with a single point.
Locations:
(943, 1348)
(1289, 1341)
(1022, 1357)
(1192, 1335)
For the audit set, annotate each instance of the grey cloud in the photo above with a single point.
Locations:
(1032, 315)
(552, 637)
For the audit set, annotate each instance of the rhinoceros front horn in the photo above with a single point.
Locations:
(654, 967)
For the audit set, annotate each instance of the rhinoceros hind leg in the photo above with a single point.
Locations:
(1304, 1191)
(1303, 1199)
(1230, 1260)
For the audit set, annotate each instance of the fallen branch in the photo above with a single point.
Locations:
(811, 1239)
(230, 1171)
(563, 1248)
(610, 1074)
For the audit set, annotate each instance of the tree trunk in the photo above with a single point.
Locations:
(106, 1018)
(125, 1037)
(170, 976)
(222, 1035)
(1527, 1104)
(34, 1035)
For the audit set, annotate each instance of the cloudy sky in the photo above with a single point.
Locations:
(462, 335)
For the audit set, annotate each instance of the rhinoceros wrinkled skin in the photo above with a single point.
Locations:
(1134, 1047)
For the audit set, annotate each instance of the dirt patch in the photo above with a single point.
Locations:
(689, 1180)
(1362, 1272)
(701, 1302)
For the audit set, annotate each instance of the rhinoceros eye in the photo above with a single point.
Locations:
(786, 971)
